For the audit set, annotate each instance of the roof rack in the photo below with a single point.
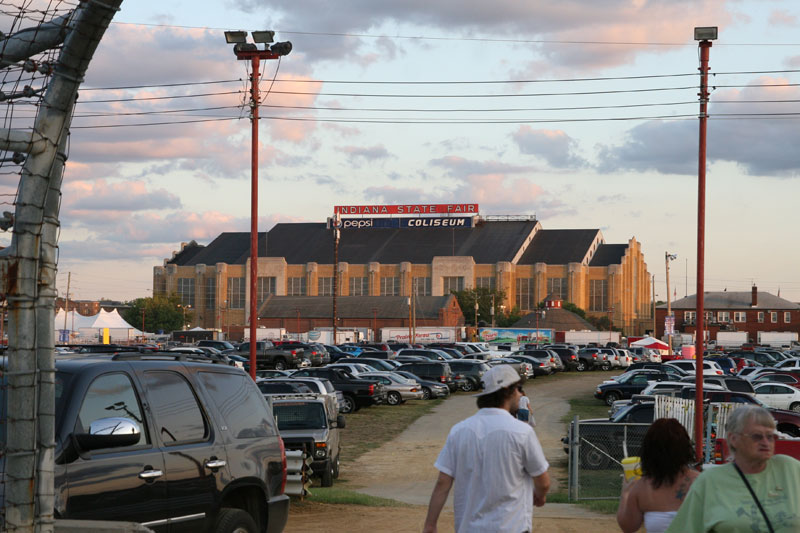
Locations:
(174, 356)
(296, 396)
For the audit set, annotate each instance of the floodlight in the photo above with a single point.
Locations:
(244, 47)
(235, 36)
(263, 36)
(705, 33)
(281, 49)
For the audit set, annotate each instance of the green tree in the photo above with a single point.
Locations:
(467, 298)
(569, 306)
(161, 313)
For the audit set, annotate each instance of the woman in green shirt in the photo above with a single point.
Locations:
(720, 500)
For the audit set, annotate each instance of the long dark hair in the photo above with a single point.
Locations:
(666, 450)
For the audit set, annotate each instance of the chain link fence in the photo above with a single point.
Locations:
(596, 448)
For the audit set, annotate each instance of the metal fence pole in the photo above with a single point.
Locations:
(574, 459)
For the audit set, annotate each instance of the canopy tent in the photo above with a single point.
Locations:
(651, 342)
(79, 327)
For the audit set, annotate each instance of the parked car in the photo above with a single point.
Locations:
(310, 424)
(433, 371)
(399, 390)
(472, 370)
(206, 430)
(540, 366)
(759, 357)
(732, 383)
(568, 355)
(431, 390)
(523, 368)
(375, 364)
(598, 358)
(433, 354)
(271, 356)
(790, 379)
(688, 365)
(789, 364)
(727, 364)
(779, 396)
(627, 385)
(357, 392)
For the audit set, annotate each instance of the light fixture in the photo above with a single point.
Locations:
(263, 36)
(281, 49)
(236, 36)
(705, 33)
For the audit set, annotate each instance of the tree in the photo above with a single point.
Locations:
(161, 313)
(569, 306)
(467, 298)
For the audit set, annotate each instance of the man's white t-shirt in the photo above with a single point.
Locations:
(493, 457)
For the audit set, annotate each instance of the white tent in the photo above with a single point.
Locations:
(90, 328)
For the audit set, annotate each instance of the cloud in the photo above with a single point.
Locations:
(459, 166)
(111, 199)
(760, 145)
(367, 153)
(578, 21)
(781, 17)
(555, 147)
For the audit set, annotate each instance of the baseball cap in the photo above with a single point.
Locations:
(498, 377)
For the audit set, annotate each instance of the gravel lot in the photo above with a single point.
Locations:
(403, 469)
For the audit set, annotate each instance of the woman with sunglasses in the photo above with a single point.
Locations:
(758, 491)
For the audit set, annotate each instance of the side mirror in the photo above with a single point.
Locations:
(340, 423)
(109, 433)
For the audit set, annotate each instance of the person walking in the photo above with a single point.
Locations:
(525, 413)
(495, 463)
(654, 499)
(758, 491)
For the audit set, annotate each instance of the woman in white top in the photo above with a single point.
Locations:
(524, 412)
(654, 499)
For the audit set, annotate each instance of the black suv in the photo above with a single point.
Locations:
(432, 371)
(471, 371)
(168, 441)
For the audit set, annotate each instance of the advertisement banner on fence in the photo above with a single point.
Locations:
(517, 335)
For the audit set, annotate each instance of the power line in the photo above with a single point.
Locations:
(503, 95)
(146, 98)
(182, 84)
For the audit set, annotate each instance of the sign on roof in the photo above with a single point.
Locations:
(417, 209)
(394, 223)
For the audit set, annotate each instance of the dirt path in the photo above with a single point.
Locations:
(403, 469)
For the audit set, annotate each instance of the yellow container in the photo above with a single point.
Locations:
(632, 466)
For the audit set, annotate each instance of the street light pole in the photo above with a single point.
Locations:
(704, 36)
(667, 258)
(250, 52)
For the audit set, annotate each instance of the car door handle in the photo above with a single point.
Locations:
(150, 474)
(215, 463)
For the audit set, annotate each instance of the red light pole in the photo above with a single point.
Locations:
(250, 52)
(705, 36)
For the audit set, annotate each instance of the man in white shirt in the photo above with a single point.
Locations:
(495, 462)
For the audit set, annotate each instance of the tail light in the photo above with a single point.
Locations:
(552, 360)
(371, 390)
(443, 379)
(283, 467)
(572, 357)
(294, 352)
(718, 459)
(594, 356)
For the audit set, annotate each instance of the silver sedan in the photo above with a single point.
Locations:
(399, 389)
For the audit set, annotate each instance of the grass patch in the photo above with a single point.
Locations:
(371, 427)
(338, 495)
(585, 406)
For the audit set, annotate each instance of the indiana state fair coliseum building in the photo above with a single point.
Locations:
(394, 250)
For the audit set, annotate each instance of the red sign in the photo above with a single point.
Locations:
(417, 209)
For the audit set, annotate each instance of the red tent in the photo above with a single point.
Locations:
(651, 342)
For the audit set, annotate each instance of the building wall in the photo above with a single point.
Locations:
(752, 326)
(628, 302)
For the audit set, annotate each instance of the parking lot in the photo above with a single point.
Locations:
(402, 469)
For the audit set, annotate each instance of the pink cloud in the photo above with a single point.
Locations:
(288, 130)
(782, 18)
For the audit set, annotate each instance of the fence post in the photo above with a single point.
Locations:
(574, 459)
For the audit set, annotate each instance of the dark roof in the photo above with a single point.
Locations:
(559, 246)
(733, 300)
(381, 307)
(306, 242)
(187, 253)
(608, 254)
(556, 319)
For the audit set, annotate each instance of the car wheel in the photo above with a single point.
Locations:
(327, 475)
(280, 364)
(611, 397)
(795, 407)
(336, 468)
(468, 386)
(235, 521)
(348, 404)
(426, 393)
(593, 456)
(393, 398)
(580, 366)
(605, 366)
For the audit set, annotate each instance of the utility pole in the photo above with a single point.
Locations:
(250, 52)
(667, 258)
(66, 299)
(653, 284)
(409, 321)
(704, 35)
(336, 237)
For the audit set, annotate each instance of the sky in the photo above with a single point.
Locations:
(579, 112)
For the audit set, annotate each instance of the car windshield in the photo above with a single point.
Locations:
(299, 415)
